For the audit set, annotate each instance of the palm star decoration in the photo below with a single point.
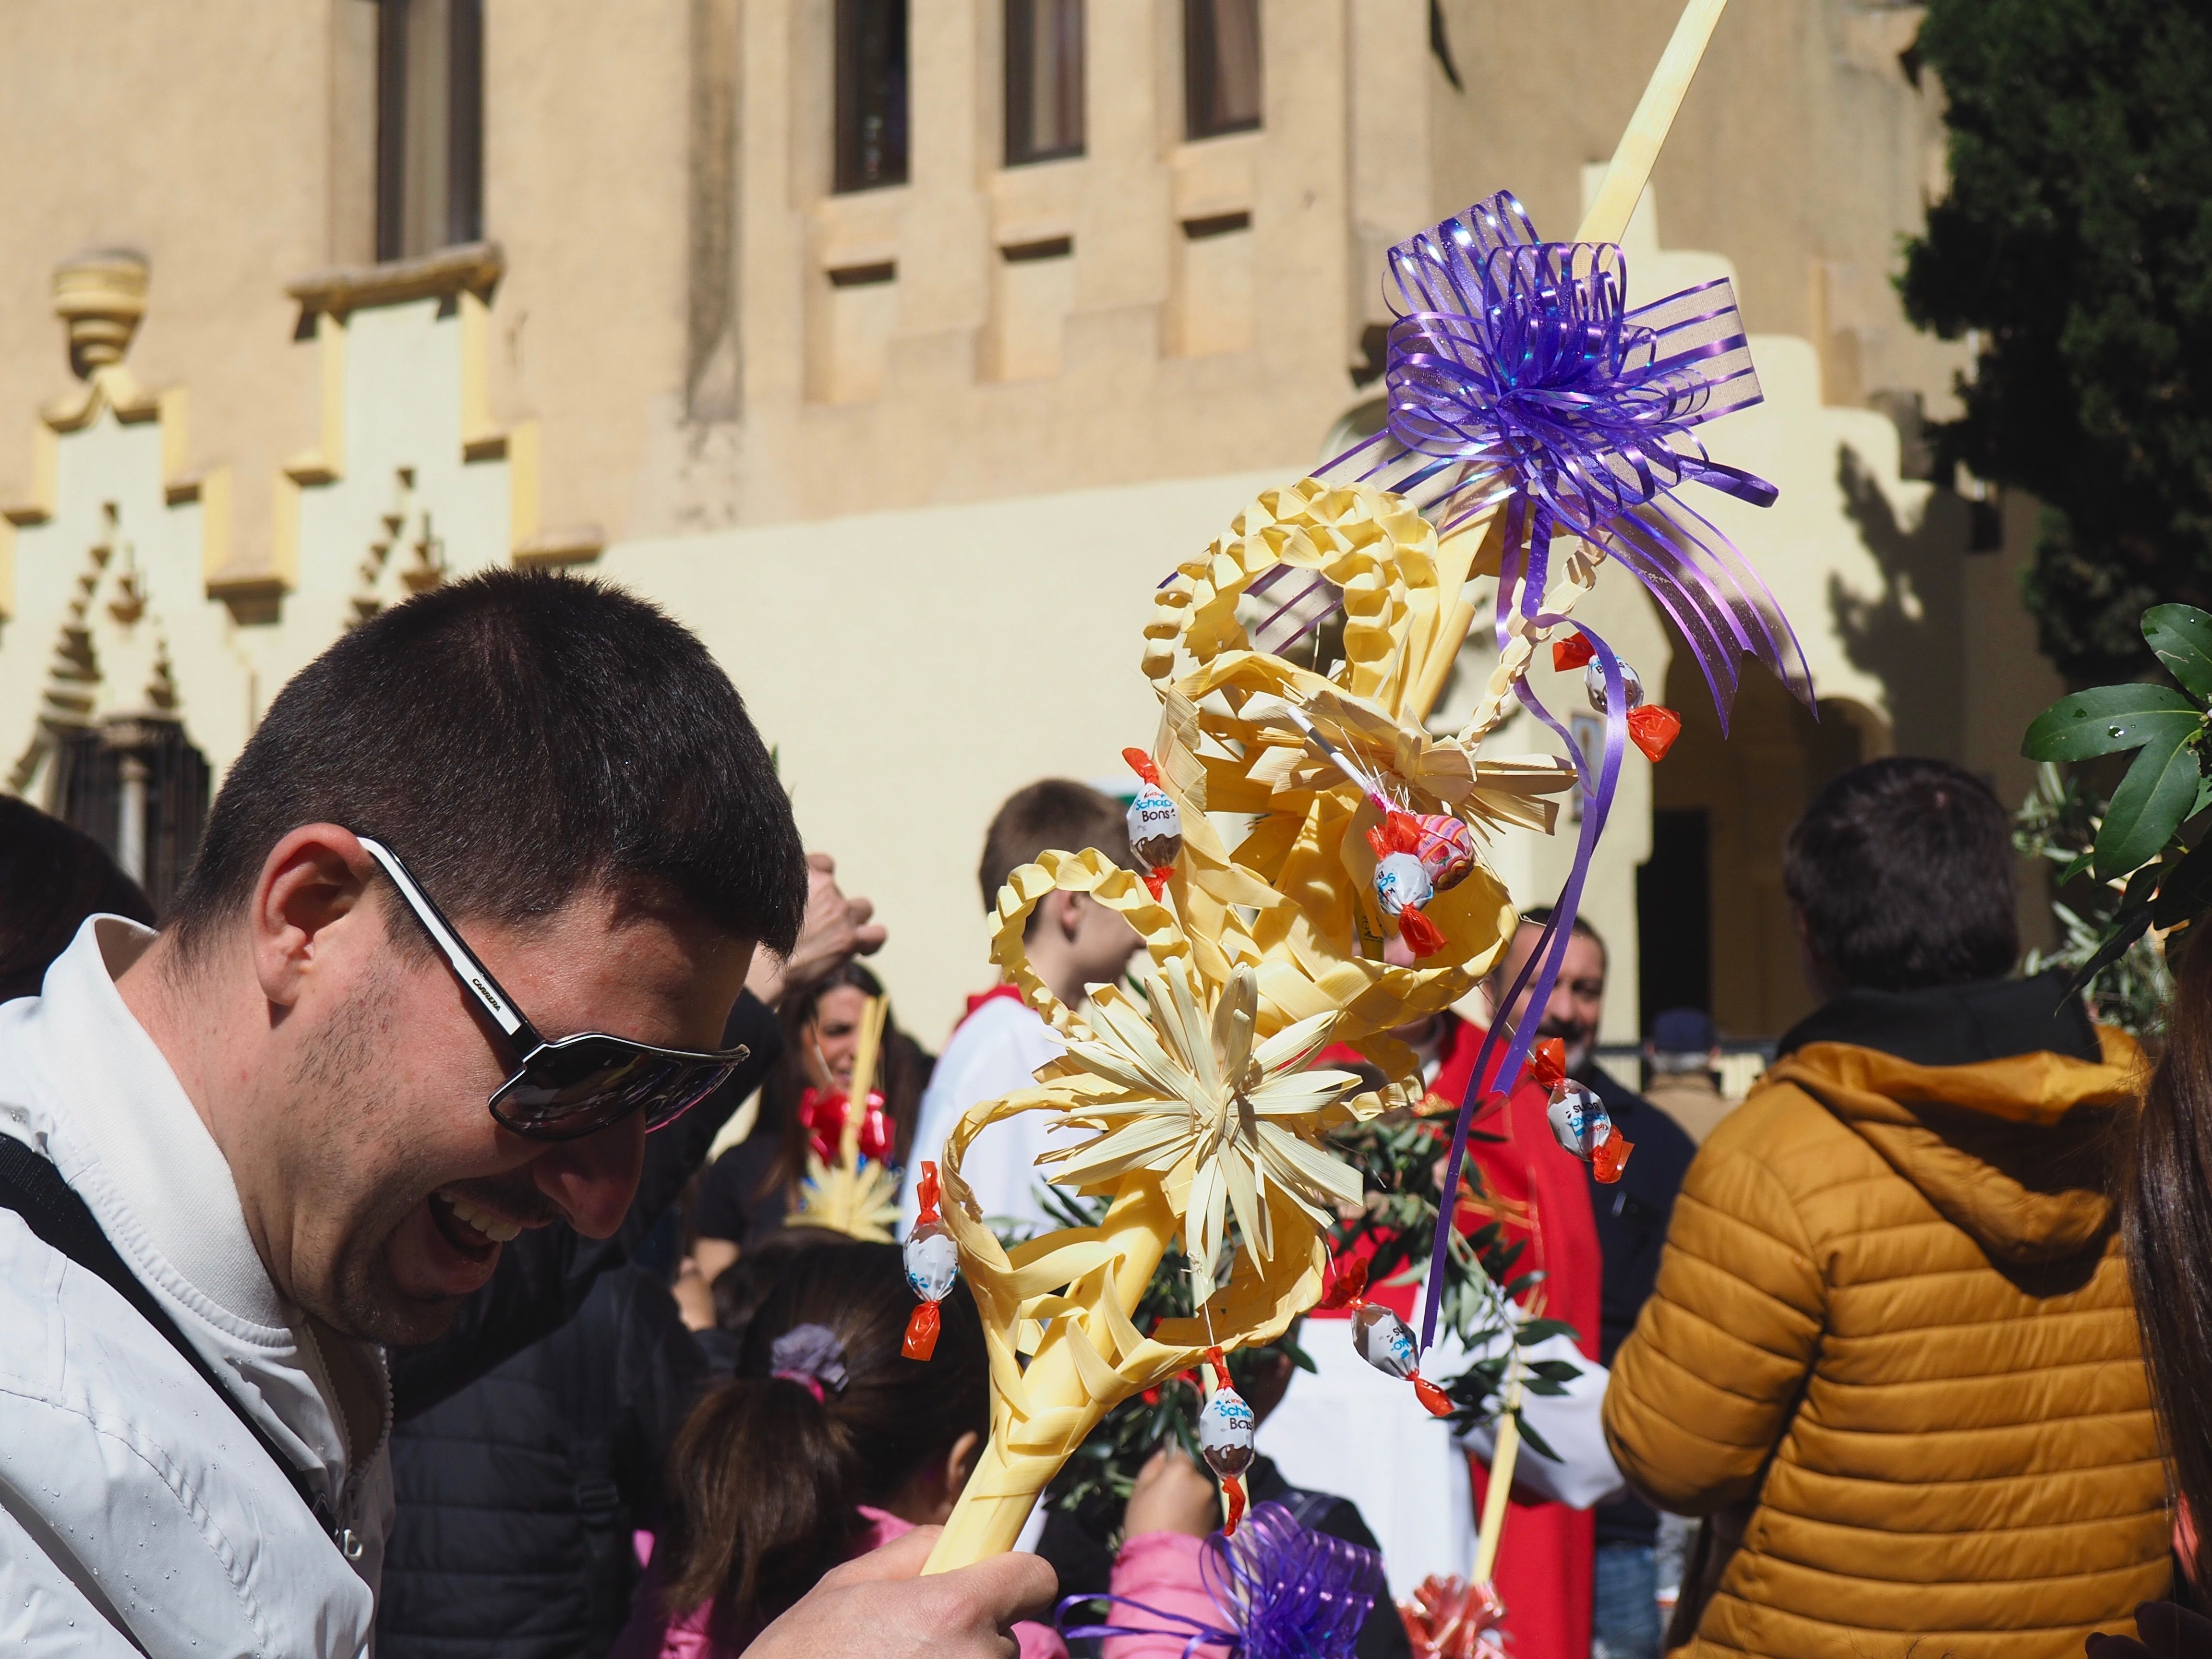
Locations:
(1189, 1095)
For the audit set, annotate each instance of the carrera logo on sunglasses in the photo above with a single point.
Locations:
(492, 998)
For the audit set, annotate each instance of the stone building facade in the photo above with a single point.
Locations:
(899, 349)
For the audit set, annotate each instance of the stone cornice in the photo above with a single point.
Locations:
(471, 268)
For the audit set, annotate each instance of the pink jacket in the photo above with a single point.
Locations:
(1160, 1571)
(652, 1633)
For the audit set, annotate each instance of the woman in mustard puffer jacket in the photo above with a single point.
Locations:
(1892, 1356)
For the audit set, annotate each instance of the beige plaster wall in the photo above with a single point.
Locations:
(1802, 152)
(200, 136)
(914, 668)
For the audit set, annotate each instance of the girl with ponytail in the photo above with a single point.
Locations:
(828, 1442)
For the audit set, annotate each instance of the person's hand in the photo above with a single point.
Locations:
(874, 1606)
(835, 927)
(1172, 1494)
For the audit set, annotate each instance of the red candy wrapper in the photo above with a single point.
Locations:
(1444, 850)
(1654, 729)
(1573, 652)
(933, 1262)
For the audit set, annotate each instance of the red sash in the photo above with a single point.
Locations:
(977, 998)
(1545, 1569)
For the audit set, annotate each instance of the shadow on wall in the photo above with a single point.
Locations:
(1713, 918)
(1910, 635)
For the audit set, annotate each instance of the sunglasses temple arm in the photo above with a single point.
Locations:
(472, 973)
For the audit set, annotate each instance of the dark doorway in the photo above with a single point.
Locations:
(1673, 915)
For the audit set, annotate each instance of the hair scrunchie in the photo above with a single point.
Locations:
(810, 1355)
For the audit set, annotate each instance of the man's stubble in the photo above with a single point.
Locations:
(347, 1084)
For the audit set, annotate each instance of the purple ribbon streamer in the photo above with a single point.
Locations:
(1282, 1592)
(1551, 949)
(1516, 373)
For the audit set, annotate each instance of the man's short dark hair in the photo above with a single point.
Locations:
(518, 739)
(1054, 814)
(1903, 872)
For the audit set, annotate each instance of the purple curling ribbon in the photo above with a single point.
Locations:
(1282, 1592)
(1517, 376)
(1543, 964)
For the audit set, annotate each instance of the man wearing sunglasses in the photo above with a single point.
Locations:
(469, 916)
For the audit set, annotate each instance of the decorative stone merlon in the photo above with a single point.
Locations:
(100, 297)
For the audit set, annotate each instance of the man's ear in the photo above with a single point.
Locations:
(313, 881)
(1819, 976)
(1067, 909)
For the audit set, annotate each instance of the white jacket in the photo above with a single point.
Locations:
(136, 1514)
(995, 1051)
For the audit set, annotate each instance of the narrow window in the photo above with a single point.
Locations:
(139, 788)
(429, 125)
(871, 93)
(1044, 80)
(1220, 66)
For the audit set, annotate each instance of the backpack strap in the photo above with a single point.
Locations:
(52, 1209)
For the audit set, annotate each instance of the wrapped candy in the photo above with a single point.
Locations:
(1451, 1619)
(1417, 856)
(1580, 1122)
(933, 1262)
(1155, 823)
(821, 1115)
(1381, 1337)
(1226, 1428)
(1651, 728)
(1654, 729)
(1631, 685)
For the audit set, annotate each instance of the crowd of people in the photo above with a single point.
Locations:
(346, 1305)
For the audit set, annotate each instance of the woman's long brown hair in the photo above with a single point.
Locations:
(765, 1478)
(2165, 1218)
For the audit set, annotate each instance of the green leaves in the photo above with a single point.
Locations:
(2150, 804)
(2107, 719)
(2165, 786)
(2180, 636)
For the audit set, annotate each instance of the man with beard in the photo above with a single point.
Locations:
(1631, 1218)
(471, 910)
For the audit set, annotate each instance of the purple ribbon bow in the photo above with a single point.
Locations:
(1282, 1592)
(1517, 376)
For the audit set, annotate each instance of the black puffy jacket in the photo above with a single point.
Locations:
(517, 1495)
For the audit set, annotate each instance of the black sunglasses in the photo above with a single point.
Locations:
(575, 1085)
